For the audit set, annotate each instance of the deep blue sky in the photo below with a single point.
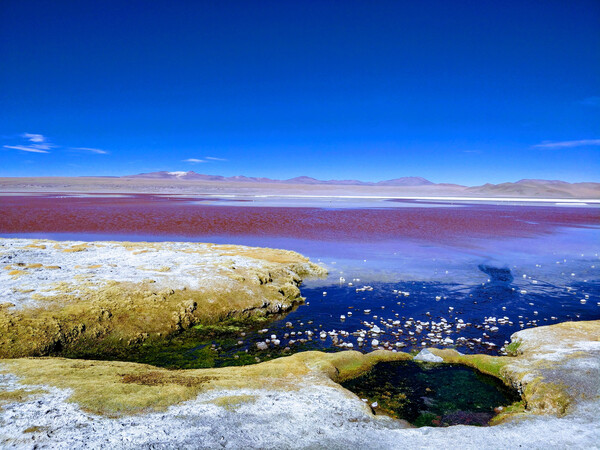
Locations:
(454, 91)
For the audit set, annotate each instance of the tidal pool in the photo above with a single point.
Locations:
(427, 394)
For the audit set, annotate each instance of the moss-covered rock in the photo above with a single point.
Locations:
(114, 388)
(556, 368)
(112, 304)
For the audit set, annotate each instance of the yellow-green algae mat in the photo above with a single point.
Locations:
(553, 369)
(64, 295)
(114, 388)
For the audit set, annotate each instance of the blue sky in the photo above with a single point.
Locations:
(455, 91)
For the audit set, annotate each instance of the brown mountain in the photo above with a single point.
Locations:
(191, 175)
(538, 188)
(414, 185)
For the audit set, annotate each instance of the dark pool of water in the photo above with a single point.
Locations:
(432, 394)
(476, 319)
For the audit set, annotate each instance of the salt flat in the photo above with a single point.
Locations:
(35, 269)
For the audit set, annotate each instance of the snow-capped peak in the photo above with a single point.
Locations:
(178, 174)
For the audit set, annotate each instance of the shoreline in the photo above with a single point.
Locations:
(242, 196)
(81, 402)
(70, 296)
(294, 401)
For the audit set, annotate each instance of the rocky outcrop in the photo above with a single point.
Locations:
(556, 368)
(110, 295)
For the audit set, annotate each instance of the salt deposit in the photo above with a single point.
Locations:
(36, 268)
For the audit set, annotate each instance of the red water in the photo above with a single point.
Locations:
(161, 215)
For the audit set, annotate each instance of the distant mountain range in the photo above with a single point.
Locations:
(411, 185)
(191, 175)
(538, 188)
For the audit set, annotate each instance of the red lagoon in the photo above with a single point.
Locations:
(147, 214)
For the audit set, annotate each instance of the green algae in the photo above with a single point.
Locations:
(512, 349)
(115, 388)
(218, 328)
(428, 394)
(199, 347)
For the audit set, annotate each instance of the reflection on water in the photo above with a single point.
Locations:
(498, 275)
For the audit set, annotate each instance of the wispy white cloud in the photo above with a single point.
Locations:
(91, 150)
(27, 148)
(591, 101)
(206, 159)
(34, 137)
(212, 158)
(36, 143)
(569, 144)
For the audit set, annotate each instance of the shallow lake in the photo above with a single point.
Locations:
(401, 277)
